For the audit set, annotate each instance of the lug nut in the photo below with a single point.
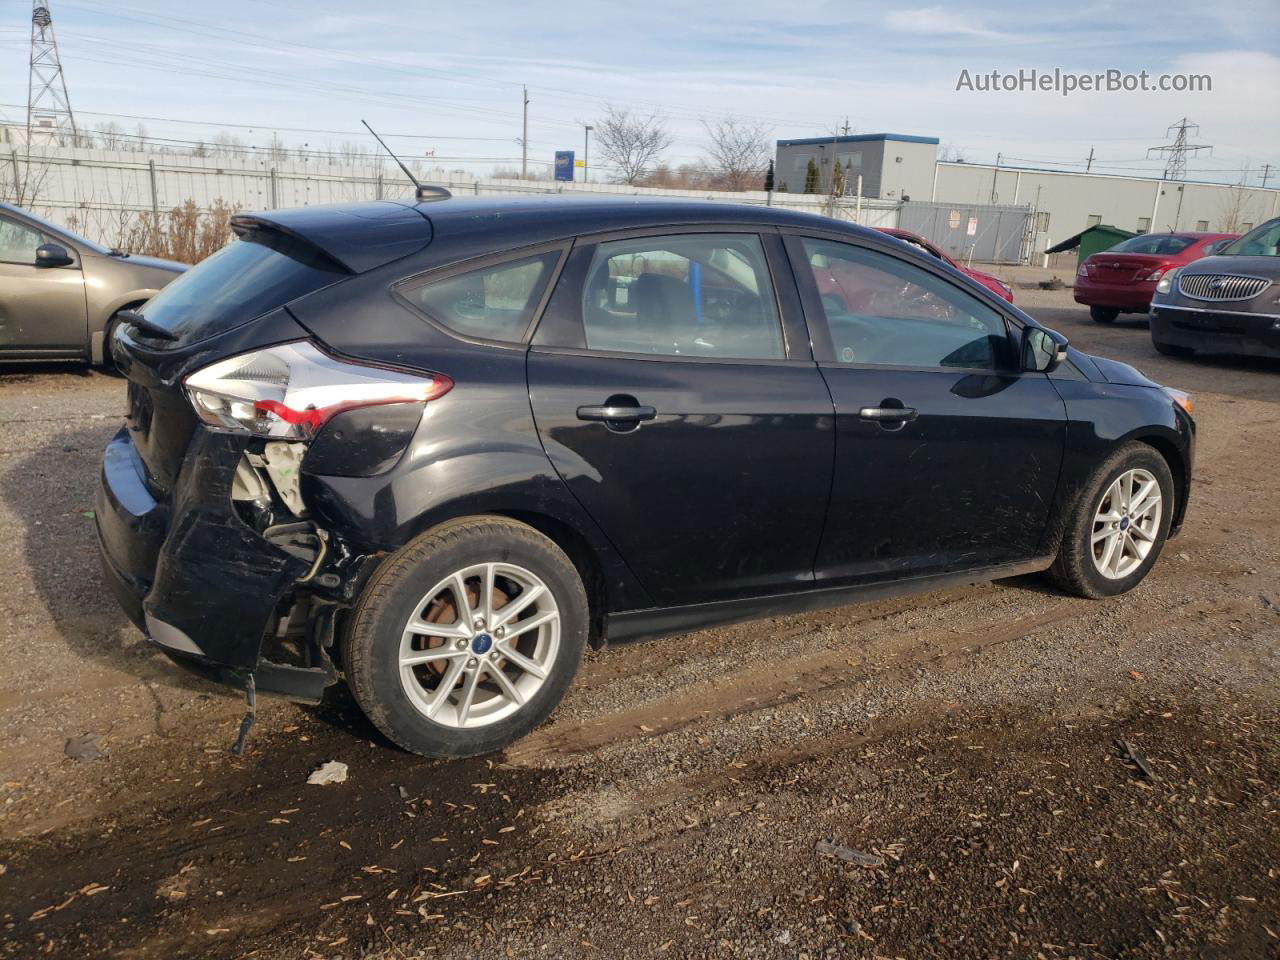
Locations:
(478, 623)
(500, 632)
(471, 664)
(461, 644)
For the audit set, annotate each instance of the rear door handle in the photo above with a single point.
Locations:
(889, 414)
(608, 413)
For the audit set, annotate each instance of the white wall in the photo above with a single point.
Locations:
(101, 193)
(1126, 202)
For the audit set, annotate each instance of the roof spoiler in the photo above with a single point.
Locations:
(356, 237)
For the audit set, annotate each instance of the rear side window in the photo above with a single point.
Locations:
(496, 302)
(240, 282)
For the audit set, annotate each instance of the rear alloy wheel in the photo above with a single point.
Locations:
(483, 654)
(1104, 314)
(1119, 524)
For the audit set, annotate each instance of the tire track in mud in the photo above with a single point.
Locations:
(814, 676)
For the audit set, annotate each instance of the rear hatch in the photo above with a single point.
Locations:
(1123, 268)
(230, 302)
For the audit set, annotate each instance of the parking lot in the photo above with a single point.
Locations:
(965, 744)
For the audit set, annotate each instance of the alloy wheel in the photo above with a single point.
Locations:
(1126, 524)
(479, 645)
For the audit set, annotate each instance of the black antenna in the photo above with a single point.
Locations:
(420, 192)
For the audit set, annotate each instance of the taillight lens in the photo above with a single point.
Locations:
(289, 391)
(1083, 271)
(1155, 274)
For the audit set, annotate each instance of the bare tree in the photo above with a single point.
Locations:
(631, 142)
(950, 152)
(349, 152)
(227, 144)
(111, 136)
(737, 153)
(277, 151)
(1235, 210)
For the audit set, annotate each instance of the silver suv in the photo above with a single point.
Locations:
(60, 294)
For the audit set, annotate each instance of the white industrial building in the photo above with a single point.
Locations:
(903, 168)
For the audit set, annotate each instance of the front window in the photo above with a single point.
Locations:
(883, 311)
(1264, 241)
(18, 242)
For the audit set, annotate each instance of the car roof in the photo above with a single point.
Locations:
(367, 235)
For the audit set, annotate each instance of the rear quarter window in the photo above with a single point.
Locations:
(493, 302)
(242, 281)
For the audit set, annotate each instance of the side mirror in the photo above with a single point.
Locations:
(53, 255)
(1043, 350)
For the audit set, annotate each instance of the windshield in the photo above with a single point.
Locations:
(1261, 241)
(56, 228)
(243, 280)
(1153, 243)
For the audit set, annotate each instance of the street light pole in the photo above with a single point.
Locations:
(586, 152)
(524, 135)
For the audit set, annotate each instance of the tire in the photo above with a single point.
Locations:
(1104, 314)
(108, 362)
(1076, 569)
(1171, 350)
(400, 700)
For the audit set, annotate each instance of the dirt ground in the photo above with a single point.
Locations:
(967, 742)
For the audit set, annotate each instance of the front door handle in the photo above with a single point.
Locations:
(889, 414)
(610, 413)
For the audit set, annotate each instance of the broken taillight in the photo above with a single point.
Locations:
(289, 391)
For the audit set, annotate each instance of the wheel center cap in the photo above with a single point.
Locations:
(481, 643)
(1124, 523)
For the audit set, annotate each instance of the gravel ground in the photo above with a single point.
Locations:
(968, 742)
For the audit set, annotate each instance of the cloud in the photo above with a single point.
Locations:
(939, 22)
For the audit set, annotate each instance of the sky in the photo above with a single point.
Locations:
(448, 77)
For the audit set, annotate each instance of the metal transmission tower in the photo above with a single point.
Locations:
(1176, 168)
(49, 115)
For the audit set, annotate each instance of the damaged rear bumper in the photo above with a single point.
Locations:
(192, 575)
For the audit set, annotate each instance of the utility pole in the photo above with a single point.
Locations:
(994, 175)
(1176, 167)
(524, 135)
(1088, 165)
(586, 152)
(845, 129)
(1266, 172)
(47, 102)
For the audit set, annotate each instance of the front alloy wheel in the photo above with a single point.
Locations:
(1117, 525)
(1126, 524)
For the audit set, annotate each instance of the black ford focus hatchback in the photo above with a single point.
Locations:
(435, 449)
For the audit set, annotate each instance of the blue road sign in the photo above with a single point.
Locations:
(564, 164)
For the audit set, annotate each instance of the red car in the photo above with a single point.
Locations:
(1122, 279)
(994, 284)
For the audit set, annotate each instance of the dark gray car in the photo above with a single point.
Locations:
(60, 293)
(1229, 303)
